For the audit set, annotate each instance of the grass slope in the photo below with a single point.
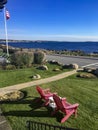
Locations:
(76, 90)
(11, 77)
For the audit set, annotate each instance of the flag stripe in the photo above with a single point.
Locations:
(7, 14)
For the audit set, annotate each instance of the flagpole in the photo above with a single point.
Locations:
(5, 23)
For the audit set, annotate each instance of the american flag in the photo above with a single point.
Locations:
(7, 15)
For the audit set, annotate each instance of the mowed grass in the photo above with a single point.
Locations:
(76, 90)
(11, 77)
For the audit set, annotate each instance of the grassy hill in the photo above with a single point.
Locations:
(76, 90)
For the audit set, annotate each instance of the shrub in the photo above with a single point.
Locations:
(1, 50)
(86, 75)
(10, 67)
(3, 64)
(39, 57)
(0, 67)
(21, 59)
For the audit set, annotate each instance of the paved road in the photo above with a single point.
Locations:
(81, 61)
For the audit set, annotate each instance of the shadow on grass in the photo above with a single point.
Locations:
(23, 101)
(36, 109)
(34, 103)
(27, 113)
(71, 129)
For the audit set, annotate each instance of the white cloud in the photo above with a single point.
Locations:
(67, 37)
(21, 36)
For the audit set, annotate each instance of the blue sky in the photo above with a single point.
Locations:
(61, 20)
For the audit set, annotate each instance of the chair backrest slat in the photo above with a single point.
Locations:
(58, 101)
(40, 91)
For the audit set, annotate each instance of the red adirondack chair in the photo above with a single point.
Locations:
(45, 94)
(64, 107)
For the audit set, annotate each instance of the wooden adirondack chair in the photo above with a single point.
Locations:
(64, 107)
(45, 94)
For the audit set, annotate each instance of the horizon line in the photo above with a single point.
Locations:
(46, 40)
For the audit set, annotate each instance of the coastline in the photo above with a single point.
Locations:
(63, 52)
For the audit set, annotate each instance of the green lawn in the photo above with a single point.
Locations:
(76, 90)
(11, 77)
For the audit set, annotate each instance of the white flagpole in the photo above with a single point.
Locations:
(6, 31)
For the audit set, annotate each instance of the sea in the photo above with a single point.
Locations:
(87, 47)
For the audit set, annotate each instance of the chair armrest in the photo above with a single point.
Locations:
(72, 106)
(55, 93)
(46, 90)
(63, 99)
(49, 95)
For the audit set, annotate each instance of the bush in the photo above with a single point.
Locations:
(0, 67)
(3, 64)
(1, 50)
(86, 75)
(39, 57)
(21, 59)
(10, 67)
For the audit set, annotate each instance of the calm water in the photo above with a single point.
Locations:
(85, 46)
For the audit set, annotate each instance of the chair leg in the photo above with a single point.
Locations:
(47, 102)
(54, 112)
(67, 116)
(39, 99)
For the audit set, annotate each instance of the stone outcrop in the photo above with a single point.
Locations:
(96, 72)
(56, 69)
(55, 62)
(74, 66)
(43, 67)
(71, 66)
(89, 70)
(36, 76)
(86, 75)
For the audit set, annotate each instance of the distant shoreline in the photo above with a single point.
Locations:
(41, 41)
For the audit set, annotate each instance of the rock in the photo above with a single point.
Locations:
(56, 69)
(86, 75)
(43, 67)
(66, 66)
(74, 66)
(90, 70)
(71, 66)
(55, 63)
(96, 72)
(36, 76)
